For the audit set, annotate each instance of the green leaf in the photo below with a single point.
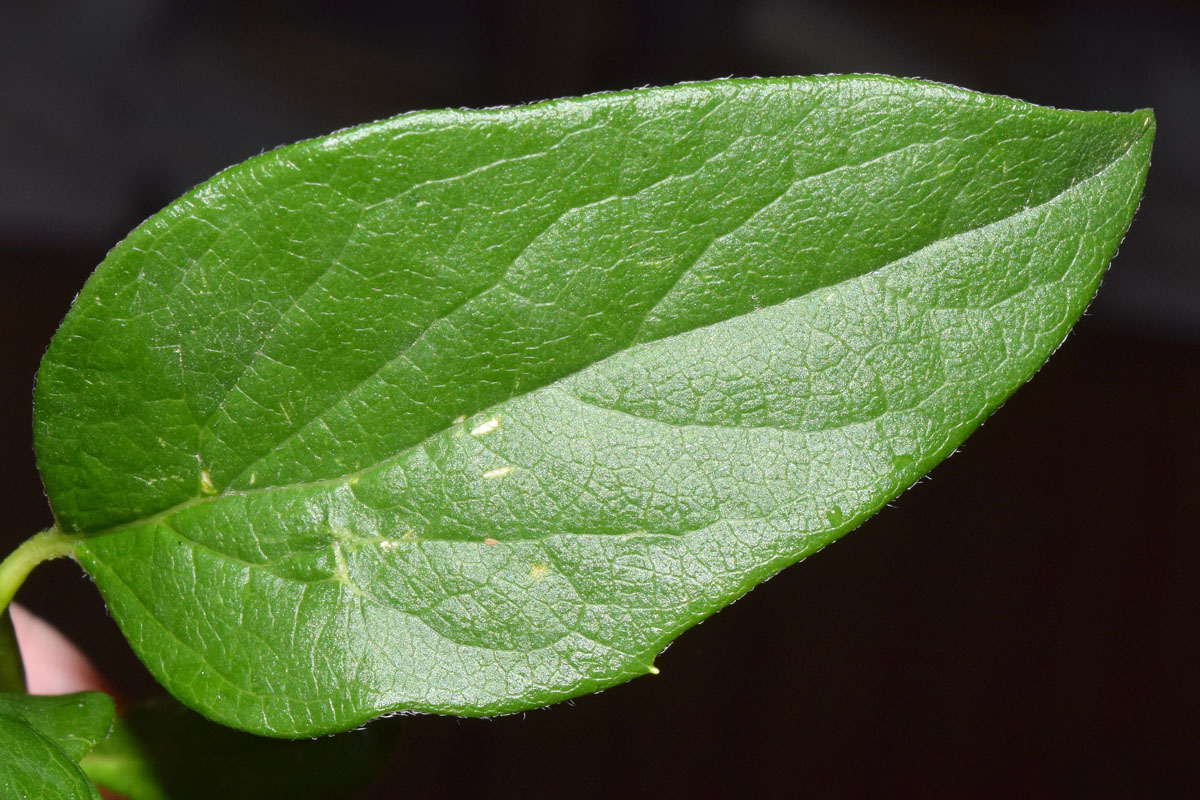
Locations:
(472, 411)
(162, 751)
(42, 740)
(74, 723)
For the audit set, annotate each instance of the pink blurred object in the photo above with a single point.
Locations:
(53, 665)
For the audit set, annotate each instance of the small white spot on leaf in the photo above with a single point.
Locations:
(499, 472)
(485, 427)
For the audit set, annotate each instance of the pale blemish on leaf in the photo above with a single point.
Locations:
(499, 472)
(485, 427)
(342, 572)
(206, 482)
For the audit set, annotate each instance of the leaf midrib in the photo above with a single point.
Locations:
(341, 479)
(499, 281)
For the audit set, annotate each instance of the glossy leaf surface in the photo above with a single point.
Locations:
(472, 411)
(162, 751)
(42, 740)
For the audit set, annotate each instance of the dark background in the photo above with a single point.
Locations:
(1025, 623)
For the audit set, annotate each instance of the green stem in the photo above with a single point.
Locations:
(44, 546)
(40, 547)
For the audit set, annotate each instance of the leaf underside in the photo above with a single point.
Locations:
(472, 411)
(42, 740)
